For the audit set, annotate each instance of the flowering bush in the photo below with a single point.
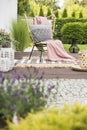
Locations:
(22, 95)
(5, 40)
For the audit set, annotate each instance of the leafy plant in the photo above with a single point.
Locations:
(20, 34)
(23, 94)
(66, 118)
(5, 40)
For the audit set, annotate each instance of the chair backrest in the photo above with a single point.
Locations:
(28, 24)
(40, 29)
(46, 21)
(40, 20)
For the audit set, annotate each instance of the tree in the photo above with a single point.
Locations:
(64, 13)
(56, 13)
(75, 5)
(23, 7)
(48, 12)
(81, 2)
(49, 3)
(41, 13)
(73, 14)
(80, 15)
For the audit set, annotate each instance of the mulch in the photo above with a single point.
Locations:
(49, 73)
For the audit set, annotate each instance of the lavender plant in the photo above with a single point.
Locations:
(22, 95)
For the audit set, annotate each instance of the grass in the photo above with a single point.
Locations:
(81, 47)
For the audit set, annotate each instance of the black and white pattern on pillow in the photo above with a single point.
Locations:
(40, 33)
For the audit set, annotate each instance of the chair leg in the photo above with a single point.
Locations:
(31, 52)
(41, 56)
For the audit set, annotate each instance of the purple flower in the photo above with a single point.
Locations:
(17, 77)
(9, 87)
(15, 93)
(40, 78)
(36, 70)
(2, 80)
(1, 74)
(13, 81)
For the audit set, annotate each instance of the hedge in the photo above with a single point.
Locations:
(60, 22)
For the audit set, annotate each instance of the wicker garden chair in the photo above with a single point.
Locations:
(38, 34)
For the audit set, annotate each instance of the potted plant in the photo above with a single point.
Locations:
(6, 52)
(5, 40)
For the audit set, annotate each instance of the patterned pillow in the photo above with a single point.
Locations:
(40, 33)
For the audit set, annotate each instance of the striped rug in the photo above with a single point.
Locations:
(35, 62)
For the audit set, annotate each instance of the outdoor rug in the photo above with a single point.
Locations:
(25, 62)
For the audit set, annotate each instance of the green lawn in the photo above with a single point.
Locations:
(81, 47)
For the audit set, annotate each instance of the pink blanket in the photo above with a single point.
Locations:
(55, 48)
(56, 52)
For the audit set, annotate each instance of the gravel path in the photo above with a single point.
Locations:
(68, 91)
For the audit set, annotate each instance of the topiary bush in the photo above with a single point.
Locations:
(56, 13)
(48, 12)
(72, 30)
(80, 15)
(41, 13)
(73, 14)
(67, 118)
(64, 14)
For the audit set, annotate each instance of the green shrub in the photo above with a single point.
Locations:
(20, 34)
(66, 118)
(72, 30)
(59, 22)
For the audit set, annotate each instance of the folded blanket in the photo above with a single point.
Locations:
(56, 51)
